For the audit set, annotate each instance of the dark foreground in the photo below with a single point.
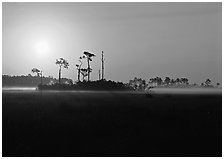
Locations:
(110, 124)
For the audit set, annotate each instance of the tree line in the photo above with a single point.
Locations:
(89, 85)
(135, 84)
(85, 72)
(140, 84)
(30, 81)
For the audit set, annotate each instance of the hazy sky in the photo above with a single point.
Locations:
(139, 39)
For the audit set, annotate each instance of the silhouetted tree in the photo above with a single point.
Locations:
(167, 81)
(62, 63)
(144, 85)
(184, 81)
(39, 73)
(138, 83)
(172, 82)
(159, 80)
(177, 81)
(207, 82)
(132, 83)
(89, 58)
(78, 67)
(152, 82)
(84, 73)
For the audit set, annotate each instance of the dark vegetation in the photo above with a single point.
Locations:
(88, 85)
(141, 84)
(67, 84)
(52, 123)
(29, 81)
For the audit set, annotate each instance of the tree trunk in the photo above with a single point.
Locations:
(41, 78)
(83, 78)
(59, 78)
(79, 75)
(88, 69)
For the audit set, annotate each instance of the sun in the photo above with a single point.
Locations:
(42, 47)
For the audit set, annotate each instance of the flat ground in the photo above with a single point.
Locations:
(110, 124)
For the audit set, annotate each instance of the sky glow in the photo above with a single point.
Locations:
(42, 48)
(138, 39)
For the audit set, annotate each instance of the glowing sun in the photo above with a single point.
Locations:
(42, 47)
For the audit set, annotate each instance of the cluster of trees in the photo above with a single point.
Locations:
(208, 82)
(85, 72)
(30, 81)
(138, 83)
(62, 63)
(168, 81)
(141, 84)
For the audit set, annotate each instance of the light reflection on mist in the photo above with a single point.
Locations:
(19, 88)
(152, 91)
(187, 90)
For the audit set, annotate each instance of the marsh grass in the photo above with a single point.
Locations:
(54, 123)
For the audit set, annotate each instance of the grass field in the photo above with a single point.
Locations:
(110, 124)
